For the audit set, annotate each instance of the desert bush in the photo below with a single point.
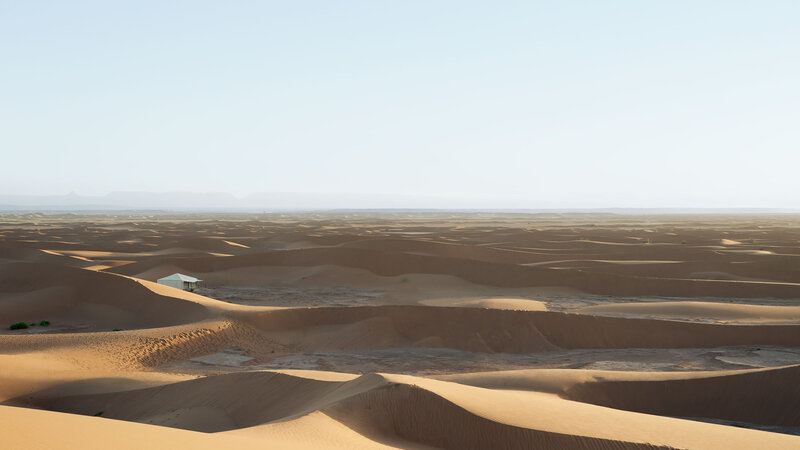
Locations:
(18, 326)
(45, 323)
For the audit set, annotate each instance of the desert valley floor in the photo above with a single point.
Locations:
(392, 330)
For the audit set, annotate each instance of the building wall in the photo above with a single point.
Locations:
(173, 283)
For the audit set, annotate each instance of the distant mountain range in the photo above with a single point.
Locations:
(268, 202)
(220, 201)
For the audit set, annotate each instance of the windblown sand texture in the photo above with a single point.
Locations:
(390, 330)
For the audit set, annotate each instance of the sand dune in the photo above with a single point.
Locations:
(76, 431)
(710, 396)
(68, 296)
(212, 404)
(409, 408)
(494, 274)
(500, 330)
(491, 330)
(723, 312)
(15, 252)
(408, 300)
(517, 304)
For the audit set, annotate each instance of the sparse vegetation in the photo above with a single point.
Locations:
(404, 280)
(98, 413)
(683, 242)
(116, 329)
(18, 326)
(45, 323)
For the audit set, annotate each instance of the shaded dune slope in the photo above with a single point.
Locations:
(452, 250)
(33, 291)
(17, 252)
(767, 397)
(662, 260)
(491, 330)
(271, 396)
(386, 263)
(758, 396)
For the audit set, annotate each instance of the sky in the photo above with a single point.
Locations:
(529, 104)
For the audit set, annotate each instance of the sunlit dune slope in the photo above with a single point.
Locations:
(725, 312)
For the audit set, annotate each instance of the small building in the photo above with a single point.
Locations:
(180, 281)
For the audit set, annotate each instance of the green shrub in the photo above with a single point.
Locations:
(116, 329)
(18, 326)
(98, 413)
(45, 323)
(33, 324)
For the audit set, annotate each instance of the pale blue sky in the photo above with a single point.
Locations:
(557, 104)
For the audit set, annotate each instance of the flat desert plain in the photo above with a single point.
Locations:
(392, 330)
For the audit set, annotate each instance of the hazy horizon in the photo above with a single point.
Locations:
(617, 104)
(299, 201)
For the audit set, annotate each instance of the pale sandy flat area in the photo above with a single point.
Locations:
(400, 330)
